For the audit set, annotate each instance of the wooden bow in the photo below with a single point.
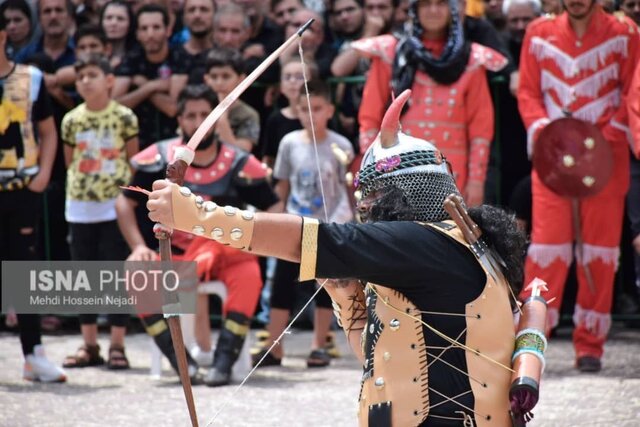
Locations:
(175, 173)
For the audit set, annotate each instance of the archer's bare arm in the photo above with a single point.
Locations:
(266, 234)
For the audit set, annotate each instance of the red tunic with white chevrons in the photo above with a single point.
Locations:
(457, 118)
(589, 77)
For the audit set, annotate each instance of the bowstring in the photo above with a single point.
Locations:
(326, 218)
(313, 130)
(275, 342)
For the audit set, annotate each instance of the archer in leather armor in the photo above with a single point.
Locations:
(426, 302)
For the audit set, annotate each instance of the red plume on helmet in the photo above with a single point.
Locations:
(391, 121)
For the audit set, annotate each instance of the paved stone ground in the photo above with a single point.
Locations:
(290, 395)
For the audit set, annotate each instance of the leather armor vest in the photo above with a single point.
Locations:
(395, 383)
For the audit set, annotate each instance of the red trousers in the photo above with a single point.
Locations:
(239, 271)
(551, 252)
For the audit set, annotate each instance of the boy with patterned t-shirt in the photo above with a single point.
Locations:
(100, 136)
(311, 193)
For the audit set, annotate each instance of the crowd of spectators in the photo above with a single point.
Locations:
(154, 49)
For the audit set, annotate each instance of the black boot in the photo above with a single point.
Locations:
(158, 328)
(232, 336)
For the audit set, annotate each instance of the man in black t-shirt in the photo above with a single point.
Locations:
(433, 326)
(509, 163)
(198, 18)
(313, 41)
(243, 25)
(265, 36)
(150, 78)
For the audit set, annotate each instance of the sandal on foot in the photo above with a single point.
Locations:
(269, 359)
(87, 355)
(117, 358)
(331, 347)
(318, 358)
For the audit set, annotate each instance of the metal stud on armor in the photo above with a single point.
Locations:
(229, 226)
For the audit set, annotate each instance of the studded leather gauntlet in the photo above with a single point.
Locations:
(227, 225)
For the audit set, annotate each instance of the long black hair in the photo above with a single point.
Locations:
(499, 229)
(130, 39)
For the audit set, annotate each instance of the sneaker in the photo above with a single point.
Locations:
(38, 368)
(217, 378)
(203, 358)
(588, 364)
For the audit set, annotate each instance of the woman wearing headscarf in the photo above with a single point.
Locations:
(18, 16)
(451, 104)
(119, 25)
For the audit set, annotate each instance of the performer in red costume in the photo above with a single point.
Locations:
(220, 175)
(451, 104)
(579, 63)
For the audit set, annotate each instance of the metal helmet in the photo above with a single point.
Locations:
(572, 158)
(415, 166)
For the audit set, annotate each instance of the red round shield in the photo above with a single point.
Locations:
(572, 158)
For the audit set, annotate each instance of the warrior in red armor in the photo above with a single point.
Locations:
(450, 104)
(579, 64)
(220, 175)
